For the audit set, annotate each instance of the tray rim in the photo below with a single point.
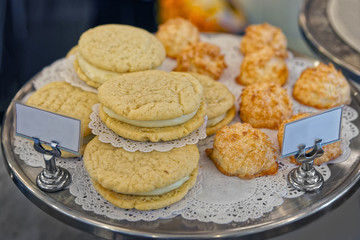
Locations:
(93, 224)
(314, 43)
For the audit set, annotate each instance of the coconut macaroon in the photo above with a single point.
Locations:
(258, 36)
(141, 180)
(265, 105)
(204, 58)
(220, 108)
(152, 105)
(331, 151)
(322, 87)
(107, 51)
(263, 66)
(243, 151)
(67, 100)
(177, 33)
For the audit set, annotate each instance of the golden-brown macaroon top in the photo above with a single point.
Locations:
(331, 151)
(322, 87)
(265, 105)
(263, 66)
(259, 35)
(152, 95)
(177, 33)
(243, 151)
(204, 58)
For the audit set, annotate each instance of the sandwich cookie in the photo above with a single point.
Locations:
(152, 105)
(141, 180)
(109, 50)
(67, 100)
(220, 108)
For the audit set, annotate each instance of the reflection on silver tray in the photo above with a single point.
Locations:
(283, 218)
(317, 30)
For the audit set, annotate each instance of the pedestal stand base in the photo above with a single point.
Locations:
(53, 182)
(307, 181)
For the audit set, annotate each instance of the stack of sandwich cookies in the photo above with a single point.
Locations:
(65, 99)
(220, 108)
(107, 51)
(152, 105)
(139, 180)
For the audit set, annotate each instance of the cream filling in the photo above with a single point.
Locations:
(94, 73)
(216, 120)
(156, 123)
(163, 190)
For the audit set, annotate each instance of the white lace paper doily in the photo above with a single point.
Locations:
(215, 197)
(61, 70)
(106, 135)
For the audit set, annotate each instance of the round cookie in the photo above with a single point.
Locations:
(331, 151)
(65, 99)
(322, 87)
(265, 105)
(152, 95)
(152, 105)
(202, 57)
(263, 66)
(136, 175)
(107, 51)
(121, 48)
(243, 151)
(145, 203)
(83, 76)
(177, 33)
(257, 36)
(154, 134)
(211, 130)
(220, 108)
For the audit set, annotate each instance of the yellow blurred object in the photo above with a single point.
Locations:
(206, 15)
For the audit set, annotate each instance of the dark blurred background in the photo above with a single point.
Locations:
(34, 33)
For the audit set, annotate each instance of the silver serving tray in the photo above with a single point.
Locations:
(320, 35)
(292, 214)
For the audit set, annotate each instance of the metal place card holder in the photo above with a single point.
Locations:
(306, 177)
(52, 178)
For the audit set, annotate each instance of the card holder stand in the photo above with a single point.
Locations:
(52, 178)
(306, 177)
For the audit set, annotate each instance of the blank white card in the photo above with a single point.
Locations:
(48, 126)
(325, 125)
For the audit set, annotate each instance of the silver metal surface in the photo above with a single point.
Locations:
(306, 177)
(318, 32)
(292, 214)
(52, 178)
